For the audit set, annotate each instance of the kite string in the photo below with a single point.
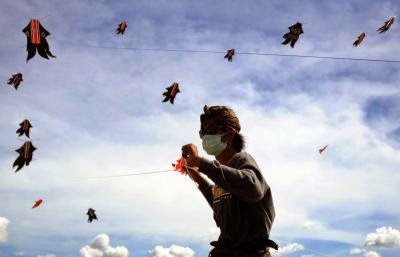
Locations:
(238, 53)
(127, 175)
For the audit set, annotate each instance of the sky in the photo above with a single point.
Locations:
(98, 111)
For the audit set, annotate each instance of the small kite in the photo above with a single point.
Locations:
(15, 80)
(229, 54)
(171, 93)
(36, 39)
(121, 27)
(179, 166)
(91, 215)
(359, 39)
(37, 203)
(25, 155)
(293, 35)
(322, 149)
(387, 25)
(25, 126)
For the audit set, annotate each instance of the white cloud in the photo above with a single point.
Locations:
(172, 251)
(384, 237)
(287, 249)
(19, 253)
(371, 254)
(307, 255)
(356, 251)
(47, 255)
(3, 229)
(312, 225)
(100, 247)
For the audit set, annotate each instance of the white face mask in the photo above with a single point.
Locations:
(213, 145)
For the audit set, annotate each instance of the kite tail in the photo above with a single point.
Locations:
(19, 162)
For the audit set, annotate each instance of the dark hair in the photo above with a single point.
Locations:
(238, 142)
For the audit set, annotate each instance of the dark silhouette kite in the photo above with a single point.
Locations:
(387, 25)
(322, 149)
(229, 54)
(25, 155)
(37, 203)
(91, 215)
(121, 27)
(36, 40)
(24, 128)
(293, 35)
(15, 80)
(171, 93)
(359, 39)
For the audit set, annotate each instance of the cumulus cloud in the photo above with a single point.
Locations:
(384, 237)
(19, 253)
(47, 255)
(3, 229)
(371, 254)
(100, 247)
(356, 251)
(172, 251)
(287, 249)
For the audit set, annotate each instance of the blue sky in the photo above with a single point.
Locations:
(99, 112)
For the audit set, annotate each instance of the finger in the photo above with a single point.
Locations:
(185, 154)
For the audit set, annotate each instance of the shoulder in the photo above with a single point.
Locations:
(243, 157)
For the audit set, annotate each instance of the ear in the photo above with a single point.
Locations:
(228, 137)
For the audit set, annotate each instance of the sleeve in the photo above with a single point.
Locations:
(206, 189)
(245, 181)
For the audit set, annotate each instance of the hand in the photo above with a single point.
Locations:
(191, 155)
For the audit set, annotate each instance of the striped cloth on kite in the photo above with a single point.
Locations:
(36, 40)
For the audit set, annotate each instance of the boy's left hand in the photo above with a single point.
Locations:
(191, 155)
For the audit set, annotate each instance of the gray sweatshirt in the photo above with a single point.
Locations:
(241, 199)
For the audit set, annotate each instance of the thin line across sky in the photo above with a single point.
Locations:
(237, 52)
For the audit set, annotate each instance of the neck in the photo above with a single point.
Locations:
(226, 155)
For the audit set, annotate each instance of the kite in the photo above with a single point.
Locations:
(15, 80)
(229, 54)
(91, 215)
(293, 35)
(387, 25)
(359, 39)
(180, 166)
(37, 203)
(121, 27)
(25, 155)
(25, 126)
(36, 39)
(171, 93)
(322, 149)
